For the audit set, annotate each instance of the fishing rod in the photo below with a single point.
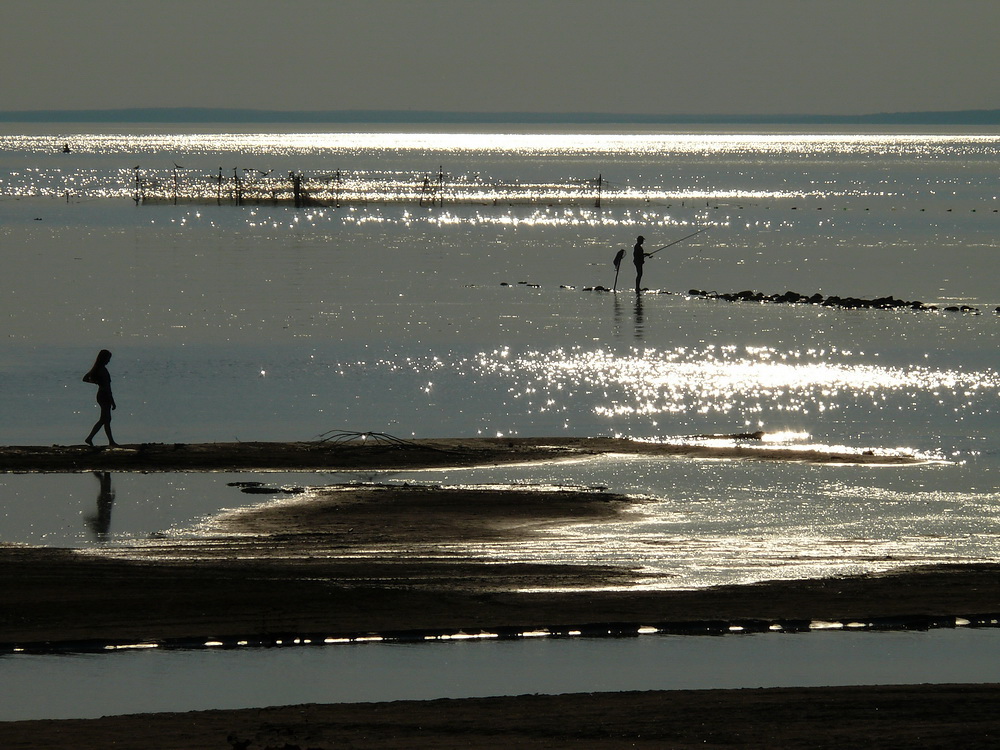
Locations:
(705, 229)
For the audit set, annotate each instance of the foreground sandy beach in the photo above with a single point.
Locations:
(921, 716)
(309, 566)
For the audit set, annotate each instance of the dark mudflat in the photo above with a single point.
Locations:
(879, 718)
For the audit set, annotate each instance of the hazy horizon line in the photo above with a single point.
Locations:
(389, 116)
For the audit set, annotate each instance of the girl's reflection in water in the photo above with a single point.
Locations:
(100, 523)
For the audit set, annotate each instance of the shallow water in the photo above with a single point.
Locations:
(695, 522)
(100, 509)
(265, 322)
(90, 686)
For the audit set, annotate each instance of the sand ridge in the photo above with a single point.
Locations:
(410, 454)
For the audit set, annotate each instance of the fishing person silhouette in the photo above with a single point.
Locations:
(639, 256)
(99, 376)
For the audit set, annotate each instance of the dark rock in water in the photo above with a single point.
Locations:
(848, 303)
(504, 283)
(758, 435)
(260, 489)
(244, 484)
(789, 297)
(596, 289)
(853, 303)
(997, 311)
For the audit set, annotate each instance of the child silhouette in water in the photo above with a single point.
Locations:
(100, 377)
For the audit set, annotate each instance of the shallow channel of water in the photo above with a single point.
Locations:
(84, 686)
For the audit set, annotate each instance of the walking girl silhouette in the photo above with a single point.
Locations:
(99, 376)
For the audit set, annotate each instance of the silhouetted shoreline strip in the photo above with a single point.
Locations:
(415, 454)
(713, 627)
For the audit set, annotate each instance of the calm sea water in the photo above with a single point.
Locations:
(267, 322)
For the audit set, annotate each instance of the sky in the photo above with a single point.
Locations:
(609, 56)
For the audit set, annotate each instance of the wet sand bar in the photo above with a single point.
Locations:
(367, 559)
(56, 599)
(361, 559)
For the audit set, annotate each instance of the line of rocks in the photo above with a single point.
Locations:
(849, 303)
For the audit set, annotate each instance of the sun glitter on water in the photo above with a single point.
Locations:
(744, 382)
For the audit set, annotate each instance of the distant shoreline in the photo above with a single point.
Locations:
(173, 115)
